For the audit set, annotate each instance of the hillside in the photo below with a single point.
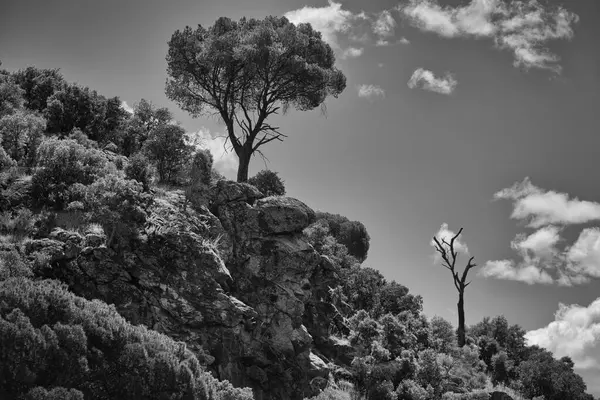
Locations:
(130, 269)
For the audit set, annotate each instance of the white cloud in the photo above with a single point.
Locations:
(370, 92)
(426, 80)
(537, 252)
(543, 207)
(540, 259)
(575, 332)
(384, 25)
(444, 233)
(331, 21)
(126, 107)
(352, 52)
(522, 26)
(507, 270)
(540, 244)
(583, 258)
(226, 162)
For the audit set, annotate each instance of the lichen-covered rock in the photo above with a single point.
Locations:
(228, 192)
(283, 215)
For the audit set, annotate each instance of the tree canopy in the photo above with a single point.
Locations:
(246, 71)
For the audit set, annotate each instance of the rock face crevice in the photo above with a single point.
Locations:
(235, 280)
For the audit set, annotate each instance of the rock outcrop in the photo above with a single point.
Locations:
(238, 284)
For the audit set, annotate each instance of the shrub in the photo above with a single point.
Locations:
(167, 148)
(118, 205)
(5, 161)
(58, 393)
(50, 338)
(12, 265)
(63, 164)
(139, 170)
(268, 182)
(21, 134)
(410, 390)
(19, 222)
(201, 170)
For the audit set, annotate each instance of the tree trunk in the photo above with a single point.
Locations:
(461, 320)
(244, 159)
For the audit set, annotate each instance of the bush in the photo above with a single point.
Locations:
(139, 170)
(59, 393)
(167, 148)
(201, 170)
(62, 165)
(268, 182)
(410, 390)
(118, 205)
(19, 222)
(5, 161)
(50, 338)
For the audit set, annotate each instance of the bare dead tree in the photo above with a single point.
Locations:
(449, 257)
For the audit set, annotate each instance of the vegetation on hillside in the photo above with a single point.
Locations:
(72, 158)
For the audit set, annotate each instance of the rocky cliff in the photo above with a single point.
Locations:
(232, 277)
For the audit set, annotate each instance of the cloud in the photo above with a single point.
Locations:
(507, 270)
(575, 332)
(522, 26)
(542, 207)
(370, 92)
(426, 80)
(126, 107)
(352, 52)
(226, 162)
(384, 25)
(331, 21)
(537, 252)
(444, 233)
(540, 260)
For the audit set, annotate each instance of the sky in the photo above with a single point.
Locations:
(478, 114)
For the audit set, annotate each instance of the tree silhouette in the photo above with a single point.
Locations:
(449, 257)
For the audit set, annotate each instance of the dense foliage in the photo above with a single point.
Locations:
(85, 349)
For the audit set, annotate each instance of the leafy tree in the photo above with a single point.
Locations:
(268, 182)
(542, 375)
(449, 257)
(146, 117)
(394, 298)
(201, 170)
(11, 95)
(21, 133)
(64, 164)
(443, 338)
(138, 169)
(351, 234)
(38, 86)
(167, 148)
(118, 205)
(247, 71)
